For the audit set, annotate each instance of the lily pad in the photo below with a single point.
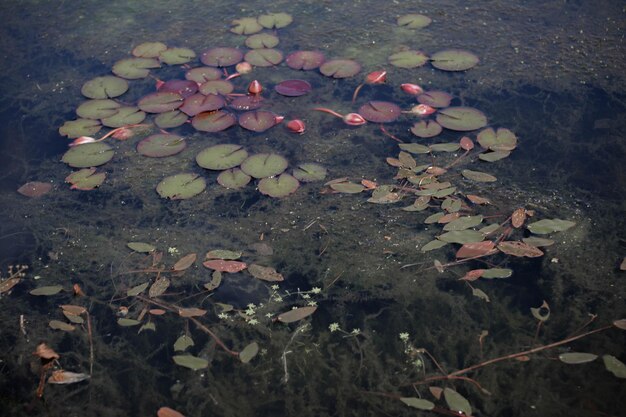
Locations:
(265, 273)
(221, 157)
(135, 68)
(160, 102)
(426, 129)
(414, 21)
(233, 178)
(257, 120)
(380, 111)
(445, 147)
(275, 20)
(217, 87)
(545, 226)
(199, 103)
(461, 118)
(478, 176)
(408, 59)
(203, 74)
(519, 249)
(221, 57)
(184, 88)
(264, 165)
(170, 119)
(85, 179)
(35, 188)
(141, 247)
(181, 186)
(191, 362)
(347, 187)
(453, 60)
(88, 155)
(104, 87)
(500, 140)
(463, 223)
(246, 26)
(161, 145)
(262, 40)
(149, 49)
(293, 88)
(213, 121)
(176, 56)
(414, 148)
(80, 127)
(340, 68)
(125, 116)
(265, 57)
(309, 172)
(47, 290)
(305, 60)
(98, 109)
(437, 99)
(246, 103)
(462, 237)
(279, 186)
(493, 156)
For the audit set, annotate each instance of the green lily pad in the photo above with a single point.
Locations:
(408, 59)
(433, 244)
(478, 176)
(104, 87)
(500, 140)
(246, 26)
(161, 145)
(426, 129)
(98, 109)
(461, 118)
(453, 60)
(222, 87)
(545, 226)
(309, 172)
(124, 117)
(176, 56)
(463, 223)
(135, 68)
(264, 165)
(233, 178)
(414, 21)
(85, 179)
(182, 343)
(462, 236)
(181, 186)
(169, 119)
(614, 366)
(88, 155)
(160, 102)
(264, 57)
(47, 290)
(221, 157)
(141, 247)
(497, 273)
(493, 156)
(191, 362)
(80, 127)
(414, 148)
(575, 358)
(340, 68)
(203, 74)
(262, 40)
(275, 20)
(279, 186)
(249, 352)
(419, 403)
(149, 49)
(445, 147)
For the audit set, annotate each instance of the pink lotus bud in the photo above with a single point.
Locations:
(278, 119)
(296, 126)
(82, 140)
(413, 89)
(354, 119)
(376, 77)
(422, 110)
(255, 87)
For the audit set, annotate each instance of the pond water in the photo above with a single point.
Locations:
(380, 319)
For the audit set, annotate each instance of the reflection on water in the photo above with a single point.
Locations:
(382, 310)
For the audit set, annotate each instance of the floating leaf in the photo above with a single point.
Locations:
(135, 68)
(85, 179)
(347, 187)
(275, 20)
(340, 68)
(161, 145)
(478, 176)
(216, 280)
(80, 127)
(257, 120)
(408, 59)
(614, 365)
(35, 189)
(493, 156)
(461, 118)
(98, 109)
(221, 57)
(199, 103)
(61, 325)
(480, 294)
(463, 236)
(472, 249)
(141, 247)
(203, 74)
(264, 165)
(456, 402)
(437, 99)
(245, 103)
(620, 324)
(293, 88)
(433, 244)
(181, 186)
(73, 317)
(135, 291)
(60, 376)
(497, 273)
(296, 314)
(233, 178)
(425, 129)
(546, 226)
(47, 290)
(147, 326)
(170, 119)
(576, 358)
(225, 266)
(190, 362)
(246, 26)
(249, 352)
(414, 21)
(88, 155)
(223, 254)
(125, 116)
(43, 351)
(7, 284)
(177, 56)
(214, 121)
(434, 218)
(478, 200)
(309, 172)
(520, 249)
(538, 241)
(161, 284)
(185, 262)
(445, 147)
(124, 322)
(221, 157)
(414, 148)
(217, 87)
(464, 222)
(472, 275)
(149, 49)
(305, 60)
(160, 102)
(278, 186)
(104, 87)
(419, 403)
(182, 343)
(262, 40)
(265, 57)
(453, 60)
(191, 312)
(501, 141)
(264, 273)
(380, 111)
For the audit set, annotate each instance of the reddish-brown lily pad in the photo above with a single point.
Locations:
(160, 102)
(184, 88)
(426, 129)
(257, 120)
(198, 103)
(293, 88)
(161, 145)
(264, 57)
(213, 121)
(340, 68)
(245, 103)
(437, 99)
(35, 188)
(305, 60)
(380, 111)
(221, 57)
(225, 266)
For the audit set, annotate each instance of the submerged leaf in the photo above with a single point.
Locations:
(249, 352)
(47, 290)
(615, 366)
(419, 403)
(296, 314)
(456, 401)
(182, 343)
(577, 357)
(191, 362)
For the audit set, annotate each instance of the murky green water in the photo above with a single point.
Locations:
(546, 73)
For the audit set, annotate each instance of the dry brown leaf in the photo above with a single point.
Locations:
(45, 352)
(191, 312)
(7, 284)
(35, 189)
(65, 377)
(478, 200)
(73, 309)
(449, 217)
(225, 266)
(472, 275)
(296, 314)
(157, 311)
(159, 287)
(265, 273)
(516, 248)
(518, 218)
(470, 250)
(436, 392)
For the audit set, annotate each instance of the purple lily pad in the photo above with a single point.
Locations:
(199, 103)
(437, 99)
(426, 129)
(161, 145)
(264, 57)
(203, 74)
(280, 186)
(217, 87)
(305, 60)
(293, 88)
(245, 103)
(258, 120)
(160, 102)
(184, 88)
(213, 121)
(380, 111)
(221, 57)
(340, 68)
